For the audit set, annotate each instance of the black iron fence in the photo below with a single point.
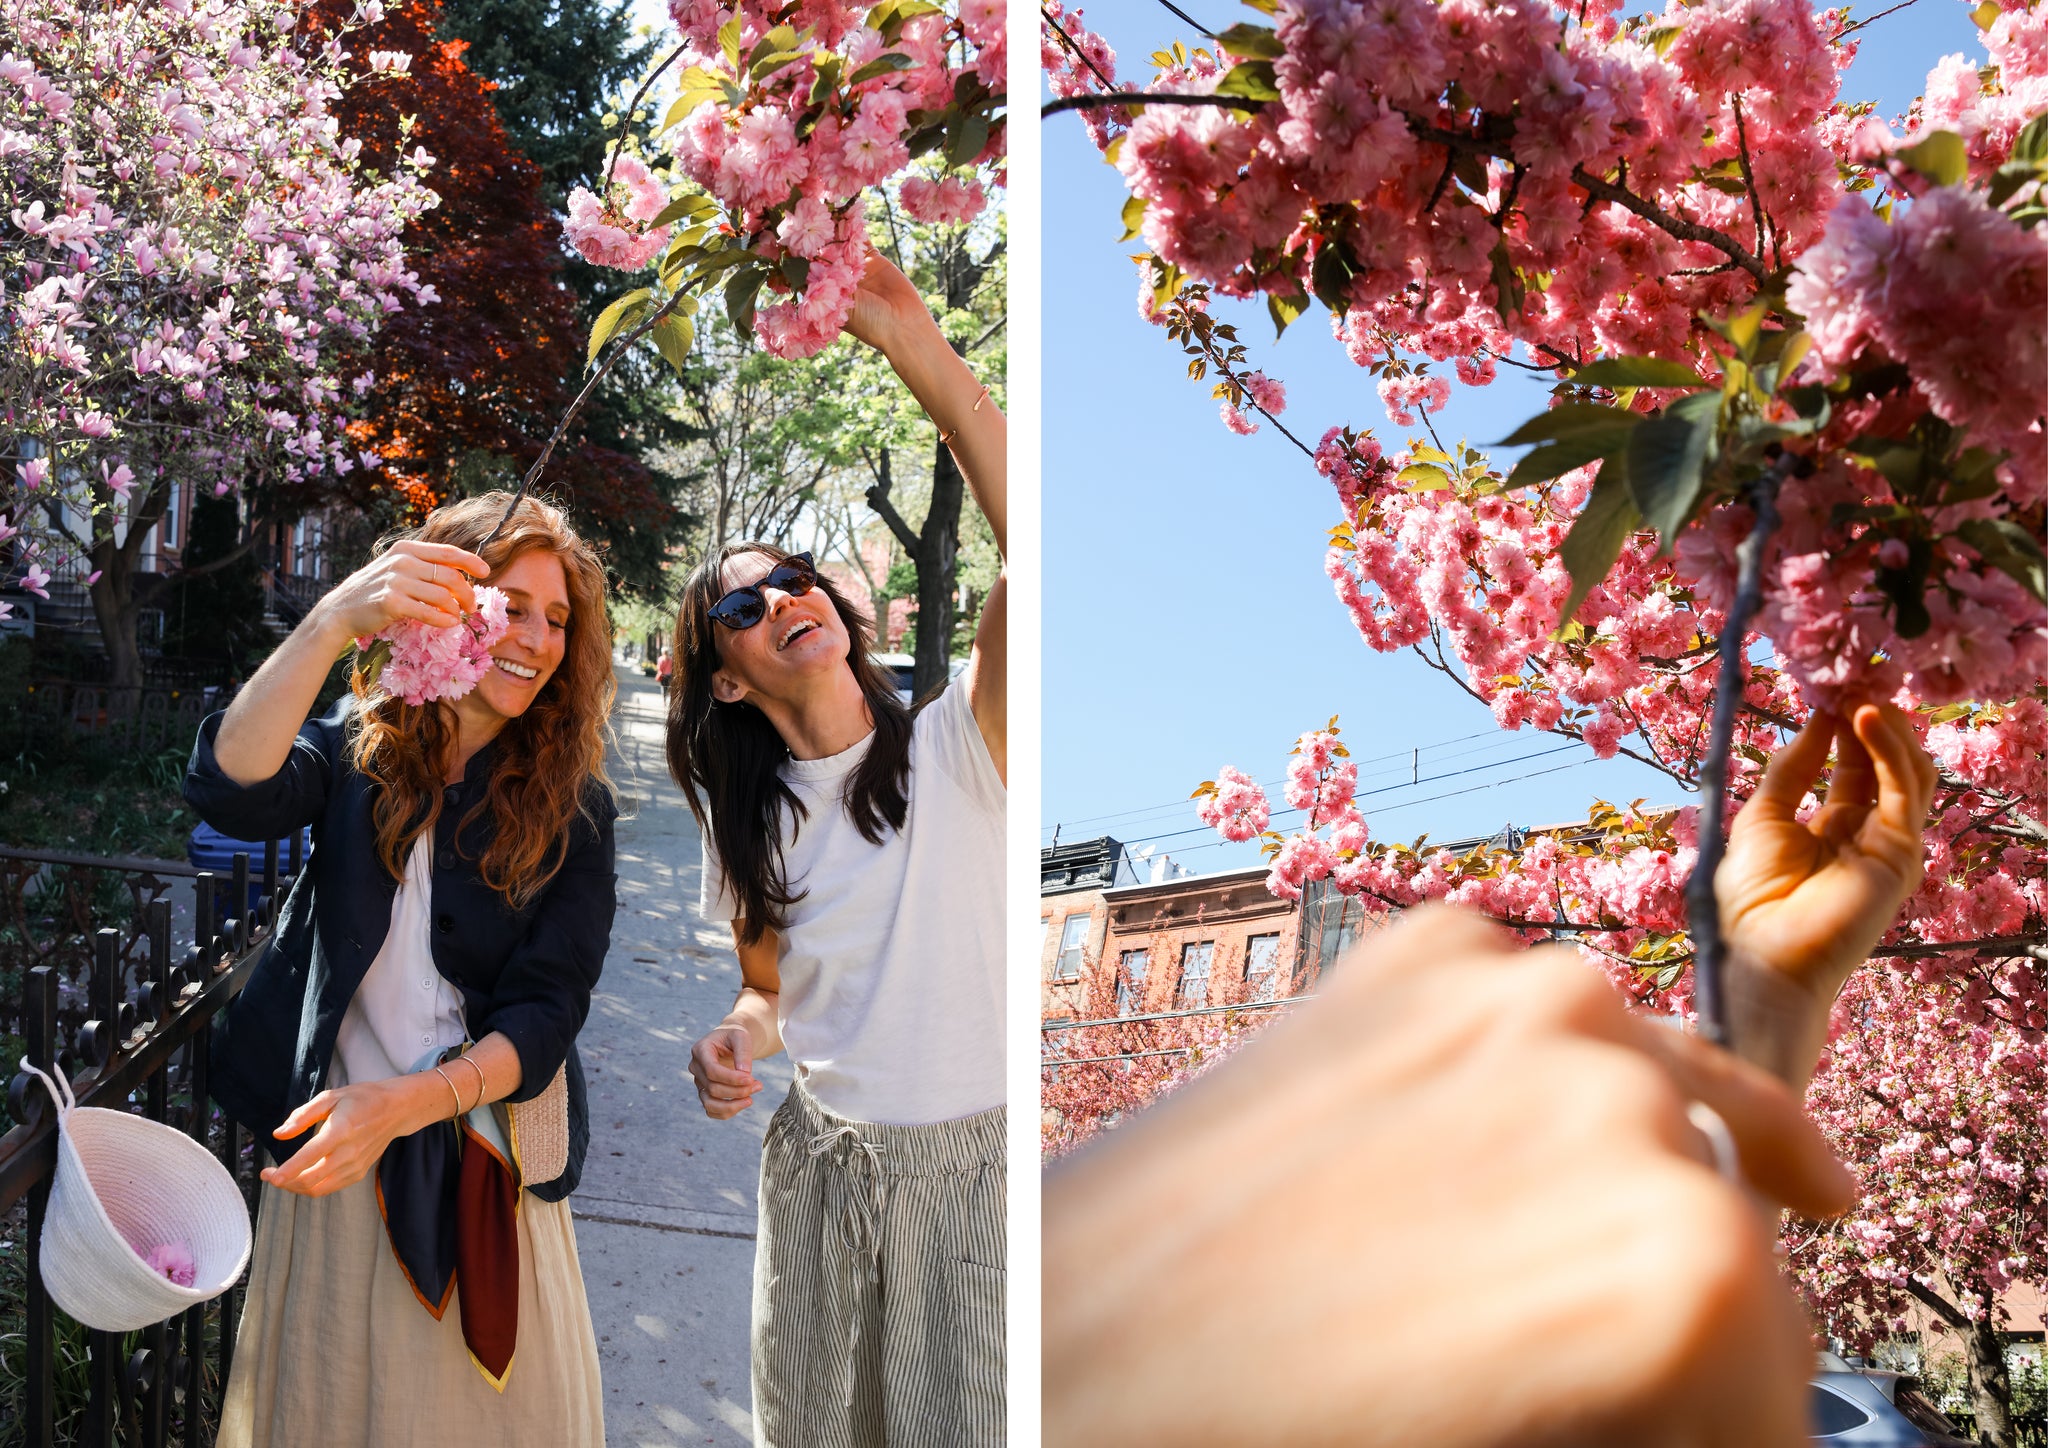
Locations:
(142, 719)
(54, 905)
(140, 1046)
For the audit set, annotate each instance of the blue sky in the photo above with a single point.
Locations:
(1187, 620)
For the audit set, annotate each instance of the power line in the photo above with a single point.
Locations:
(1491, 734)
(1409, 803)
(1387, 789)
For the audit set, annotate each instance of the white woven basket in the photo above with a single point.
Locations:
(125, 1186)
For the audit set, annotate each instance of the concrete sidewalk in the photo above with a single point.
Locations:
(665, 1214)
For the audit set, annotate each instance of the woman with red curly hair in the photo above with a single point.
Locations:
(429, 972)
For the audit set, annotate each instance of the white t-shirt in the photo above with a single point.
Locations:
(404, 1014)
(892, 962)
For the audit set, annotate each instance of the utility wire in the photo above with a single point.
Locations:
(1491, 734)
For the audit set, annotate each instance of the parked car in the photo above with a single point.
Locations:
(903, 669)
(1871, 1408)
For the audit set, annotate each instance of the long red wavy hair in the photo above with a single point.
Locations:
(547, 760)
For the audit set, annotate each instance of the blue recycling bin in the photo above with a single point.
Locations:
(209, 849)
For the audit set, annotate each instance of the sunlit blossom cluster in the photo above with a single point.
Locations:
(191, 258)
(790, 169)
(1720, 125)
(423, 663)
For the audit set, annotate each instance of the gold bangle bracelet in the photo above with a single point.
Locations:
(449, 1081)
(946, 437)
(483, 1085)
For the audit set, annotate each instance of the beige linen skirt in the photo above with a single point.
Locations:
(334, 1350)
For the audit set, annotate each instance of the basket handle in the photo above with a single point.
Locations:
(60, 1089)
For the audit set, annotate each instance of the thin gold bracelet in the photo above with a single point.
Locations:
(450, 1083)
(946, 438)
(483, 1085)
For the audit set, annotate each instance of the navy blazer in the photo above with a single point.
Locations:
(527, 973)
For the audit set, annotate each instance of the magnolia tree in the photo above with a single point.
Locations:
(1794, 457)
(191, 262)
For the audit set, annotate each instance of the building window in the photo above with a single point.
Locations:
(1262, 966)
(1073, 940)
(1194, 973)
(1130, 980)
(169, 525)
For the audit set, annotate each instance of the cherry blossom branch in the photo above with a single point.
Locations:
(1068, 43)
(618, 350)
(1146, 98)
(1703, 906)
(626, 121)
(1995, 945)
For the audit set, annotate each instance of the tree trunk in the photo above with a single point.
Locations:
(1990, 1383)
(938, 559)
(115, 606)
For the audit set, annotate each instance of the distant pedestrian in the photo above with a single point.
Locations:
(664, 670)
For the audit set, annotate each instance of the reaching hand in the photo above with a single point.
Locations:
(430, 582)
(1809, 901)
(1459, 1153)
(886, 308)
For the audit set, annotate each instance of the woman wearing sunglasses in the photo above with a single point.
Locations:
(856, 847)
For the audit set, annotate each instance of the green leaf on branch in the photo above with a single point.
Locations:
(796, 270)
(693, 205)
(741, 292)
(673, 335)
(697, 86)
(1133, 218)
(1942, 158)
(1617, 372)
(1251, 42)
(1907, 589)
(1285, 310)
(1574, 419)
(2008, 547)
(2031, 144)
(768, 64)
(1667, 457)
(1570, 435)
(881, 65)
(729, 40)
(621, 314)
(825, 78)
(966, 138)
(1423, 478)
(1597, 534)
(1252, 79)
(1264, 7)
(1509, 290)
(1330, 274)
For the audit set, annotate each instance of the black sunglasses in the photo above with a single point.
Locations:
(745, 607)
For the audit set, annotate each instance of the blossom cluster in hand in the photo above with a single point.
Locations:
(794, 120)
(186, 242)
(423, 662)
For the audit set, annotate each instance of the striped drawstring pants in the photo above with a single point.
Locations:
(879, 1282)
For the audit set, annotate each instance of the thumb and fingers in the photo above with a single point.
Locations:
(1783, 1154)
(1906, 778)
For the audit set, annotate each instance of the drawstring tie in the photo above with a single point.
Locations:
(860, 1214)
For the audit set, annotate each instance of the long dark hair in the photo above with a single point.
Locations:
(728, 757)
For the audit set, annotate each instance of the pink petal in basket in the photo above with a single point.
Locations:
(173, 1260)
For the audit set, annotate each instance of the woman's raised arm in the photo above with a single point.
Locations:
(426, 581)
